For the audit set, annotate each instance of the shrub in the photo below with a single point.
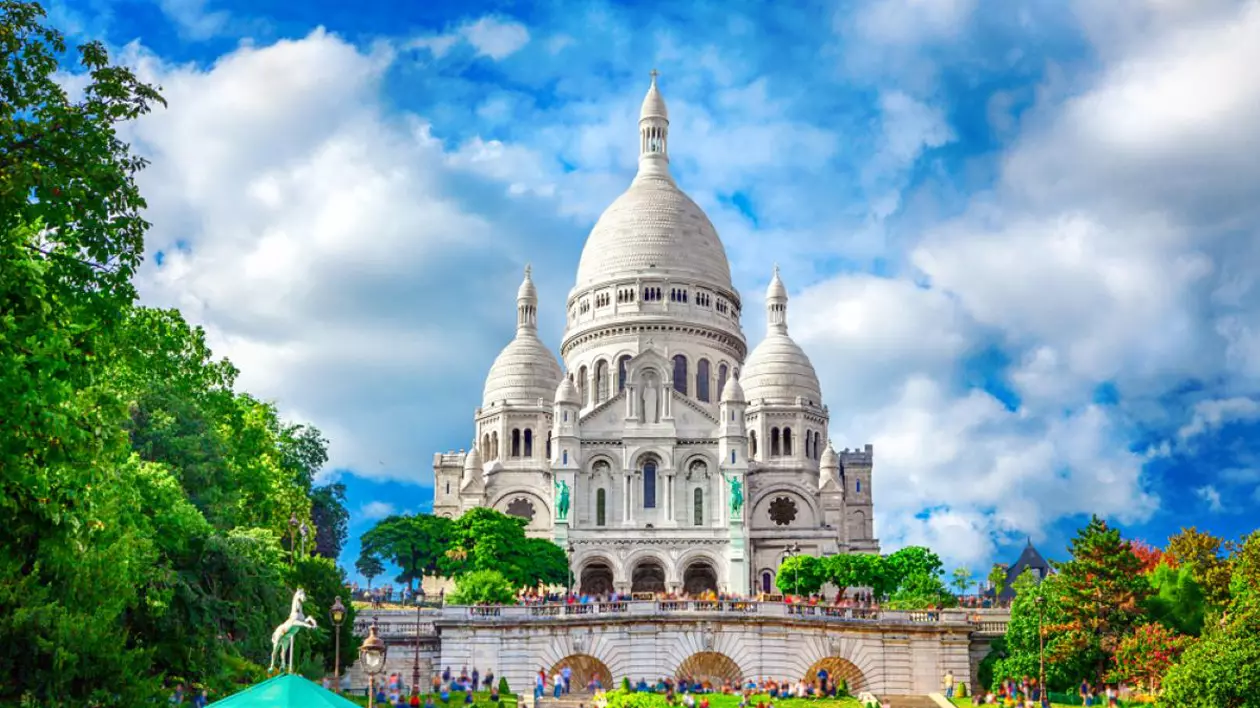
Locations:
(503, 687)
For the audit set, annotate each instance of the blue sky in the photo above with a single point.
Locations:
(1021, 238)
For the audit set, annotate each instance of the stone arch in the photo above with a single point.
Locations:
(806, 507)
(699, 576)
(711, 667)
(838, 668)
(597, 575)
(584, 667)
(649, 571)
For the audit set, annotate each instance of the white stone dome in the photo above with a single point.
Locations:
(524, 372)
(654, 228)
(777, 370)
(567, 393)
(830, 460)
(732, 392)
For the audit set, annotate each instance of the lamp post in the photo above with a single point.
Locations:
(304, 531)
(571, 550)
(338, 613)
(372, 653)
(415, 665)
(1041, 642)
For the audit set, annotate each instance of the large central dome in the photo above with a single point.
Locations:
(653, 228)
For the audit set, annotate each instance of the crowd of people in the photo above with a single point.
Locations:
(1027, 693)
(446, 687)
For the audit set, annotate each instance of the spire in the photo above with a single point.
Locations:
(776, 305)
(653, 133)
(526, 304)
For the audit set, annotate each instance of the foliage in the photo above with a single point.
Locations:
(323, 581)
(1103, 593)
(1019, 653)
(801, 575)
(1144, 656)
(921, 590)
(1176, 601)
(1203, 554)
(960, 579)
(907, 562)
(330, 518)
(622, 698)
(482, 587)
(504, 690)
(369, 566)
(850, 570)
(485, 539)
(1150, 556)
(416, 544)
(1222, 669)
(546, 564)
(997, 578)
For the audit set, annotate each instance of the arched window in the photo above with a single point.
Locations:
(485, 446)
(787, 441)
(722, 372)
(752, 444)
(601, 501)
(680, 373)
(516, 442)
(858, 487)
(529, 443)
(649, 485)
(698, 511)
(583, 387)
(702, 380)
(767, 582)
(601, 381)
(494, 445)
(817, 446)
(548, 444)
(809, 441)
(448, 487)
(774, 442)
(565, 457)
(622, 364)
(732, 457)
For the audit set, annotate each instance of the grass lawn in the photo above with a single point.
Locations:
(717, 700)
(966, 703)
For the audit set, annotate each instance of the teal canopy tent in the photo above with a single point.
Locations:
(284, 691)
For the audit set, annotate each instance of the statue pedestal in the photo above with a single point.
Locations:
(561, 533)
(739, 579)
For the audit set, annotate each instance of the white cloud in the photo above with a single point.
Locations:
(903, 22)
(1212, 414)
(489, 36)
(194, 20)
(374, 510)
(1212, 497)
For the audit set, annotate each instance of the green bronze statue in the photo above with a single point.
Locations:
(737, 496)
(562, 499)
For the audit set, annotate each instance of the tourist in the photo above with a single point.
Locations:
(949, 685)
(557, 685)
(490, 679)
(540, 684)
(567, 674)
(201, 700)
(494, 693)
(475, 678)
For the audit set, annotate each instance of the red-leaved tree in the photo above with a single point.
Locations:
(1144, 656)
(1151, 556)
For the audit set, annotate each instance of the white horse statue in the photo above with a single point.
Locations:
(282, 638)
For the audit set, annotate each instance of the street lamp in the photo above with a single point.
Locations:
(571, 550)
(1041, 641)
(372, 653)
(338, 612)
(415, 666)
(293, 524)
(304, 531)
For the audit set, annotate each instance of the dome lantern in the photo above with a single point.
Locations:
(653, 134)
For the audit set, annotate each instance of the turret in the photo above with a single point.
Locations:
(565, 432)
(474, 480)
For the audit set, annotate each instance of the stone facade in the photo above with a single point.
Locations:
(688, 463)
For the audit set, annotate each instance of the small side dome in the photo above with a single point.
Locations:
(472, 461)
(732, 392)
(473, 477)
(524, 372)
(778, 371)
(567, 393)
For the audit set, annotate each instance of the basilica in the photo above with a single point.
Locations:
(664, 456)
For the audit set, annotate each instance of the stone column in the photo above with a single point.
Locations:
(671, 513)
(627, 506)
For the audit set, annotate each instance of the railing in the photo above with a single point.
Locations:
(391, 623)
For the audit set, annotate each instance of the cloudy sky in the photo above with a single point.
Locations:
(1022, 238)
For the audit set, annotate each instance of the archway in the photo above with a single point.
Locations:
(712, 668)
(837, 669)
(648, 576)
(699, 577)
(583, 668)
(597, 579)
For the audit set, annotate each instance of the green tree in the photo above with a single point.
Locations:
(909, 561)
(323, 581)
(801, 575)
(921, 590)
(1103, 593)
(483, 587)
(1205, 556)
(1019, 654)
(331, 519)
(849, 570)
(416, 544)
(1222, 669)
(1176, 601)
(485, 539)
(960, 579)
(545, 564)
(1146, 654)
(369, 566)
(997, 578)
(71, 237)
